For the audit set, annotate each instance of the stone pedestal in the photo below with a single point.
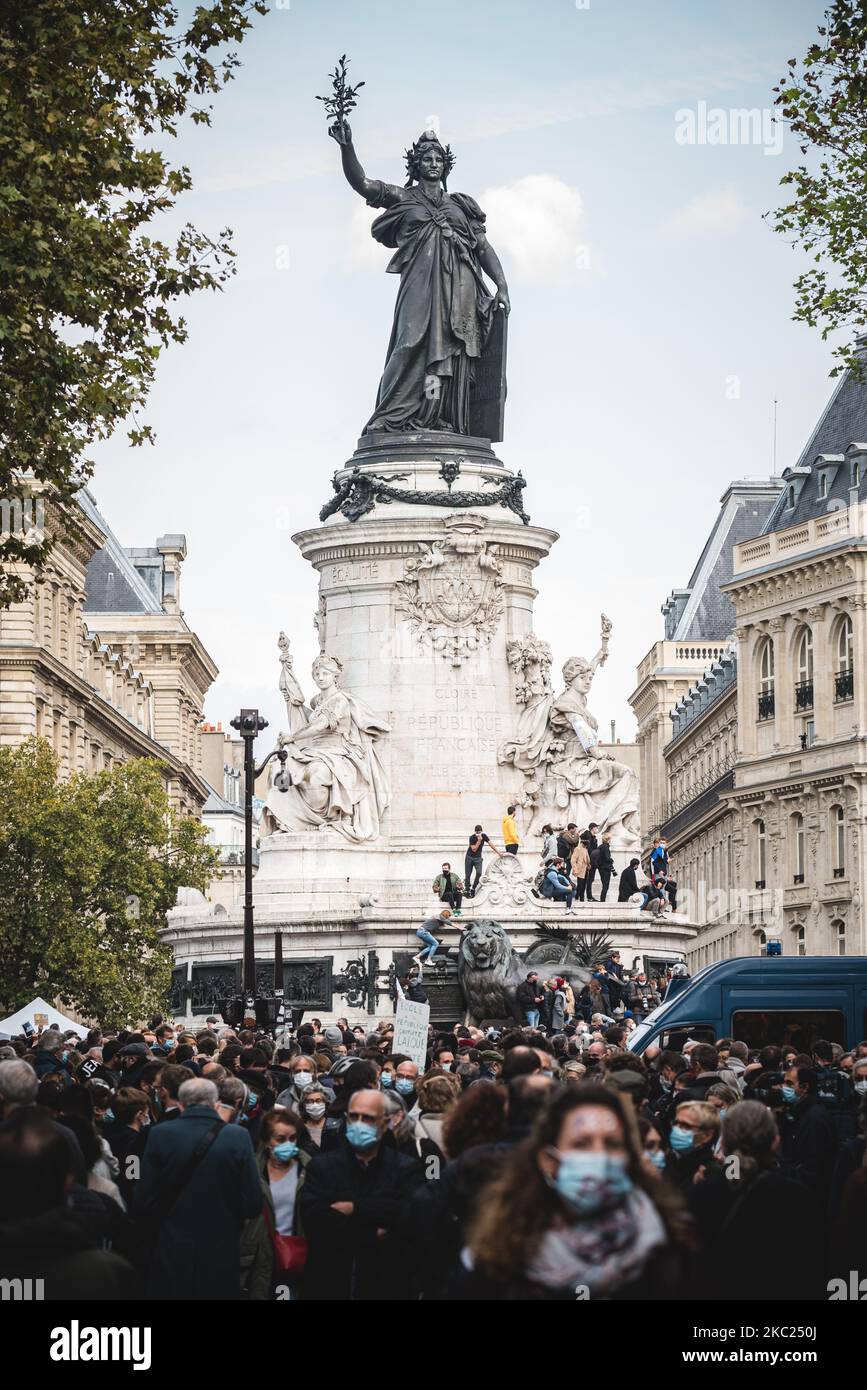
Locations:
(422, 602)
(418, 602)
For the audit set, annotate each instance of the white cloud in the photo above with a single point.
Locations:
(709, 214)
(536, 222)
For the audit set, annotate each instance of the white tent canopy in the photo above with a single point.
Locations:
(15, 1022)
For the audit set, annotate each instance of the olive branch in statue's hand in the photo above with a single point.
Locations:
(341, 102)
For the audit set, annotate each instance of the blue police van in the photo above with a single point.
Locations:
(787, 1000)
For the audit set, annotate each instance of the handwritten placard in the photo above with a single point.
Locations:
(410, 1030)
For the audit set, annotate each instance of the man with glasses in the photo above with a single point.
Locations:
(355, 1207)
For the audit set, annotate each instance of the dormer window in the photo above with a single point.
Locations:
(823, 485)
(790, 499)
(856, 473)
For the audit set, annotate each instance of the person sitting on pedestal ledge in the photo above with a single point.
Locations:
(449, 889)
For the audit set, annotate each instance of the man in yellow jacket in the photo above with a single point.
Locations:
(510, 830)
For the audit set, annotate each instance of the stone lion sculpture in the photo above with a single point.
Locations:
(489, 972)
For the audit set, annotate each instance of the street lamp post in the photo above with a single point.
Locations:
(249, 723)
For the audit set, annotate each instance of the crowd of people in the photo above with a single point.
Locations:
(527, 1161)
(573, 862)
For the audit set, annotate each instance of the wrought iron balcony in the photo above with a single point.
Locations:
(232, 856)
(840, 873)
(766, 704)
(844, 685)
(804, 695)
(798, 878)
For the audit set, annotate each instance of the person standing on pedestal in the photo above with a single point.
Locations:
(511, 839)
(605, 864)
(592, 844)
(580, 865)
(473, 859)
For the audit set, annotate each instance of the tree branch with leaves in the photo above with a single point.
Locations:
(823, 99)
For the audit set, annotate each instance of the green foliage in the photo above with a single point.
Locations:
(88, 869)
(824, 100)
(87, 294)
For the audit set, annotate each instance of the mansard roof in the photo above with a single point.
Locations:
(701, 611)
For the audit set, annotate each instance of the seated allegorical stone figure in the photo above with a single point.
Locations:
(337, 777)
(568, 777)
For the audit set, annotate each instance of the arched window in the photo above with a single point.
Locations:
(856, 473)
(823, 485)
(801, 940)
(838, 936)
(804, 671)
(798, 848)
(838, 841)
(844, 679)
(790, 500)
(761, 853)
(766, 678)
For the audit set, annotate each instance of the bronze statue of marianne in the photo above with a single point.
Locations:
(445, 316)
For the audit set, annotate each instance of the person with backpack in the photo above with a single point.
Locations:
(199, 1184)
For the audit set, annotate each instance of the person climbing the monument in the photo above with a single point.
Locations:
(431, 942)
(511, 838)
(473, 859)
(449, 889)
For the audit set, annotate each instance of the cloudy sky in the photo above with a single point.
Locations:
(651, 327)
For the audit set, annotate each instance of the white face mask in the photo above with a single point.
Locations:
(303, 1079)
(861, 1087)
(315, 1110)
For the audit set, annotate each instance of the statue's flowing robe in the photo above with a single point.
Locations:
(358, 793)
(573, 784)
(443, 313)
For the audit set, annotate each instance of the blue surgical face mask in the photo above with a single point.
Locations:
(404, 1085)
(168, 1044)
(252, 1100)
(362, 1135)
(386, 1079)
(590, 1182)
(109, 1116)
(681, 1139)
(64, 1056)
(285, 1152)
(789, 1094)
(657, 1158)
(665, 1086)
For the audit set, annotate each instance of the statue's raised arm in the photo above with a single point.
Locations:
(355, 175)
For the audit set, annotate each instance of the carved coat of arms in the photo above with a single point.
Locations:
(452, 592)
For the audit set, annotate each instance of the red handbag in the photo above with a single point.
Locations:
(290, 1252)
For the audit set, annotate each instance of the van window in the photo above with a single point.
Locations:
(674, 1038)
(788, 1027)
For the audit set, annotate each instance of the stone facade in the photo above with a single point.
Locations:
(103, 687)
(794, 810)
(698, 625)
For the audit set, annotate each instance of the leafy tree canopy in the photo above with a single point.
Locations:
(88, 868)
(824, 100)
(88, 295)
